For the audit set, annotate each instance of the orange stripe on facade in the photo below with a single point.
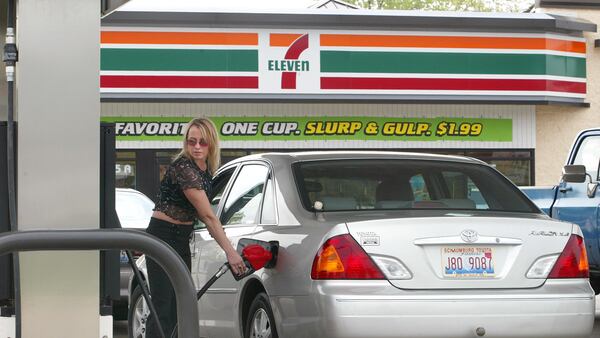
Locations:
(183, 38)
(283, 40)
(451, 42)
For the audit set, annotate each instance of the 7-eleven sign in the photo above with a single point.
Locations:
(290, 64)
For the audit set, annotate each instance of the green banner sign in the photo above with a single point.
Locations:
(278, 128)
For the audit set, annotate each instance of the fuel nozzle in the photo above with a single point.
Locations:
(256, 255)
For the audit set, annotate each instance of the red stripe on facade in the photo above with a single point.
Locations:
(566, 86)
(288, 79)
(451, 84)
(124, 81)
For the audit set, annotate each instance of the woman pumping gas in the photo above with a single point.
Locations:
(183, 198)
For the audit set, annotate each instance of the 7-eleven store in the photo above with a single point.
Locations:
(462, 83)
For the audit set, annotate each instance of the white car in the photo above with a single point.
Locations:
(383, 244)
(134, 210)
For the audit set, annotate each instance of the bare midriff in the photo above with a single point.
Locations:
(162, 216)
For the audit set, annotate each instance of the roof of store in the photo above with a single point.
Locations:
(569, 3)
(194, 16)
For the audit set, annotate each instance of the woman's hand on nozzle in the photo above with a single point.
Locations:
(236, 262)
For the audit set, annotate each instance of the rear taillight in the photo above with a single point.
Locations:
(342, 258)
(572, 262)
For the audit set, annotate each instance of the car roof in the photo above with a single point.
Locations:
(127, 190)
(132, 192)
(291, 157)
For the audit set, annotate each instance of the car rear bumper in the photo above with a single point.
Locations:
(562, 308)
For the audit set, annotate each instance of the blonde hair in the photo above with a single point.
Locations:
(209, 132)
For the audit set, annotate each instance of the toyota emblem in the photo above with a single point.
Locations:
(469, 236)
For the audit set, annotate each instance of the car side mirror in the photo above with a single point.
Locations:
(574, 173)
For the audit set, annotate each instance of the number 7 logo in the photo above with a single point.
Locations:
(299, 45)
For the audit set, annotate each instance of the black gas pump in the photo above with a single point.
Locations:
(110, 259)
(9, 302)
(7, 294)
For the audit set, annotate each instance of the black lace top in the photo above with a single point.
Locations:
(182, 174)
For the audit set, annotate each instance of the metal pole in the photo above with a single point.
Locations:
(10, 56)
(165, 256)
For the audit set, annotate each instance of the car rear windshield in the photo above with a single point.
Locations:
(342, 185)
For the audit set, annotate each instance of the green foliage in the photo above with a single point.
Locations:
(447, 5)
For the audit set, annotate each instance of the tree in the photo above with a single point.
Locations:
(447, 5)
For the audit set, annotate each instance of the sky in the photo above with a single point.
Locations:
(218, 4)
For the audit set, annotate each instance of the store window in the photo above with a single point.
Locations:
(164, 158)
(125, 169)
(515, 165)
(518, 171)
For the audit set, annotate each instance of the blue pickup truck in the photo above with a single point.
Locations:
(576, 198)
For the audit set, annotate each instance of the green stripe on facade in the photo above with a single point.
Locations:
(179, 60)
(565, 66)
(451, 63)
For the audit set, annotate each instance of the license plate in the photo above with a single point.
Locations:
(466, 261)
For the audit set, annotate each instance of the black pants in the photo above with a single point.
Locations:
(163, 295)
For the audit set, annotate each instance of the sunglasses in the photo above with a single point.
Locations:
(192, 142)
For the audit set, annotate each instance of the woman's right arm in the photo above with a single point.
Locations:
(201, 203)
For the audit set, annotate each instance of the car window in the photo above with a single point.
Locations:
(461, 189)
(588, 154)
(268, 209)
(341, 185)
(219, 184)
(243, 202)
(419, 188)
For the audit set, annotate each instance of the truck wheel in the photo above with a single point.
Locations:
(138, 314)
(260, 323)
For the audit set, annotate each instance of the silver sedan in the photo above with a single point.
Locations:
(382, 244)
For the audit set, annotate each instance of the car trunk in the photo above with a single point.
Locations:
(445, 252)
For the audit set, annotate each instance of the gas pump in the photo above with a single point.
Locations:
(7, 296)
(59, 102)
(110, 259)
(8, 304)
